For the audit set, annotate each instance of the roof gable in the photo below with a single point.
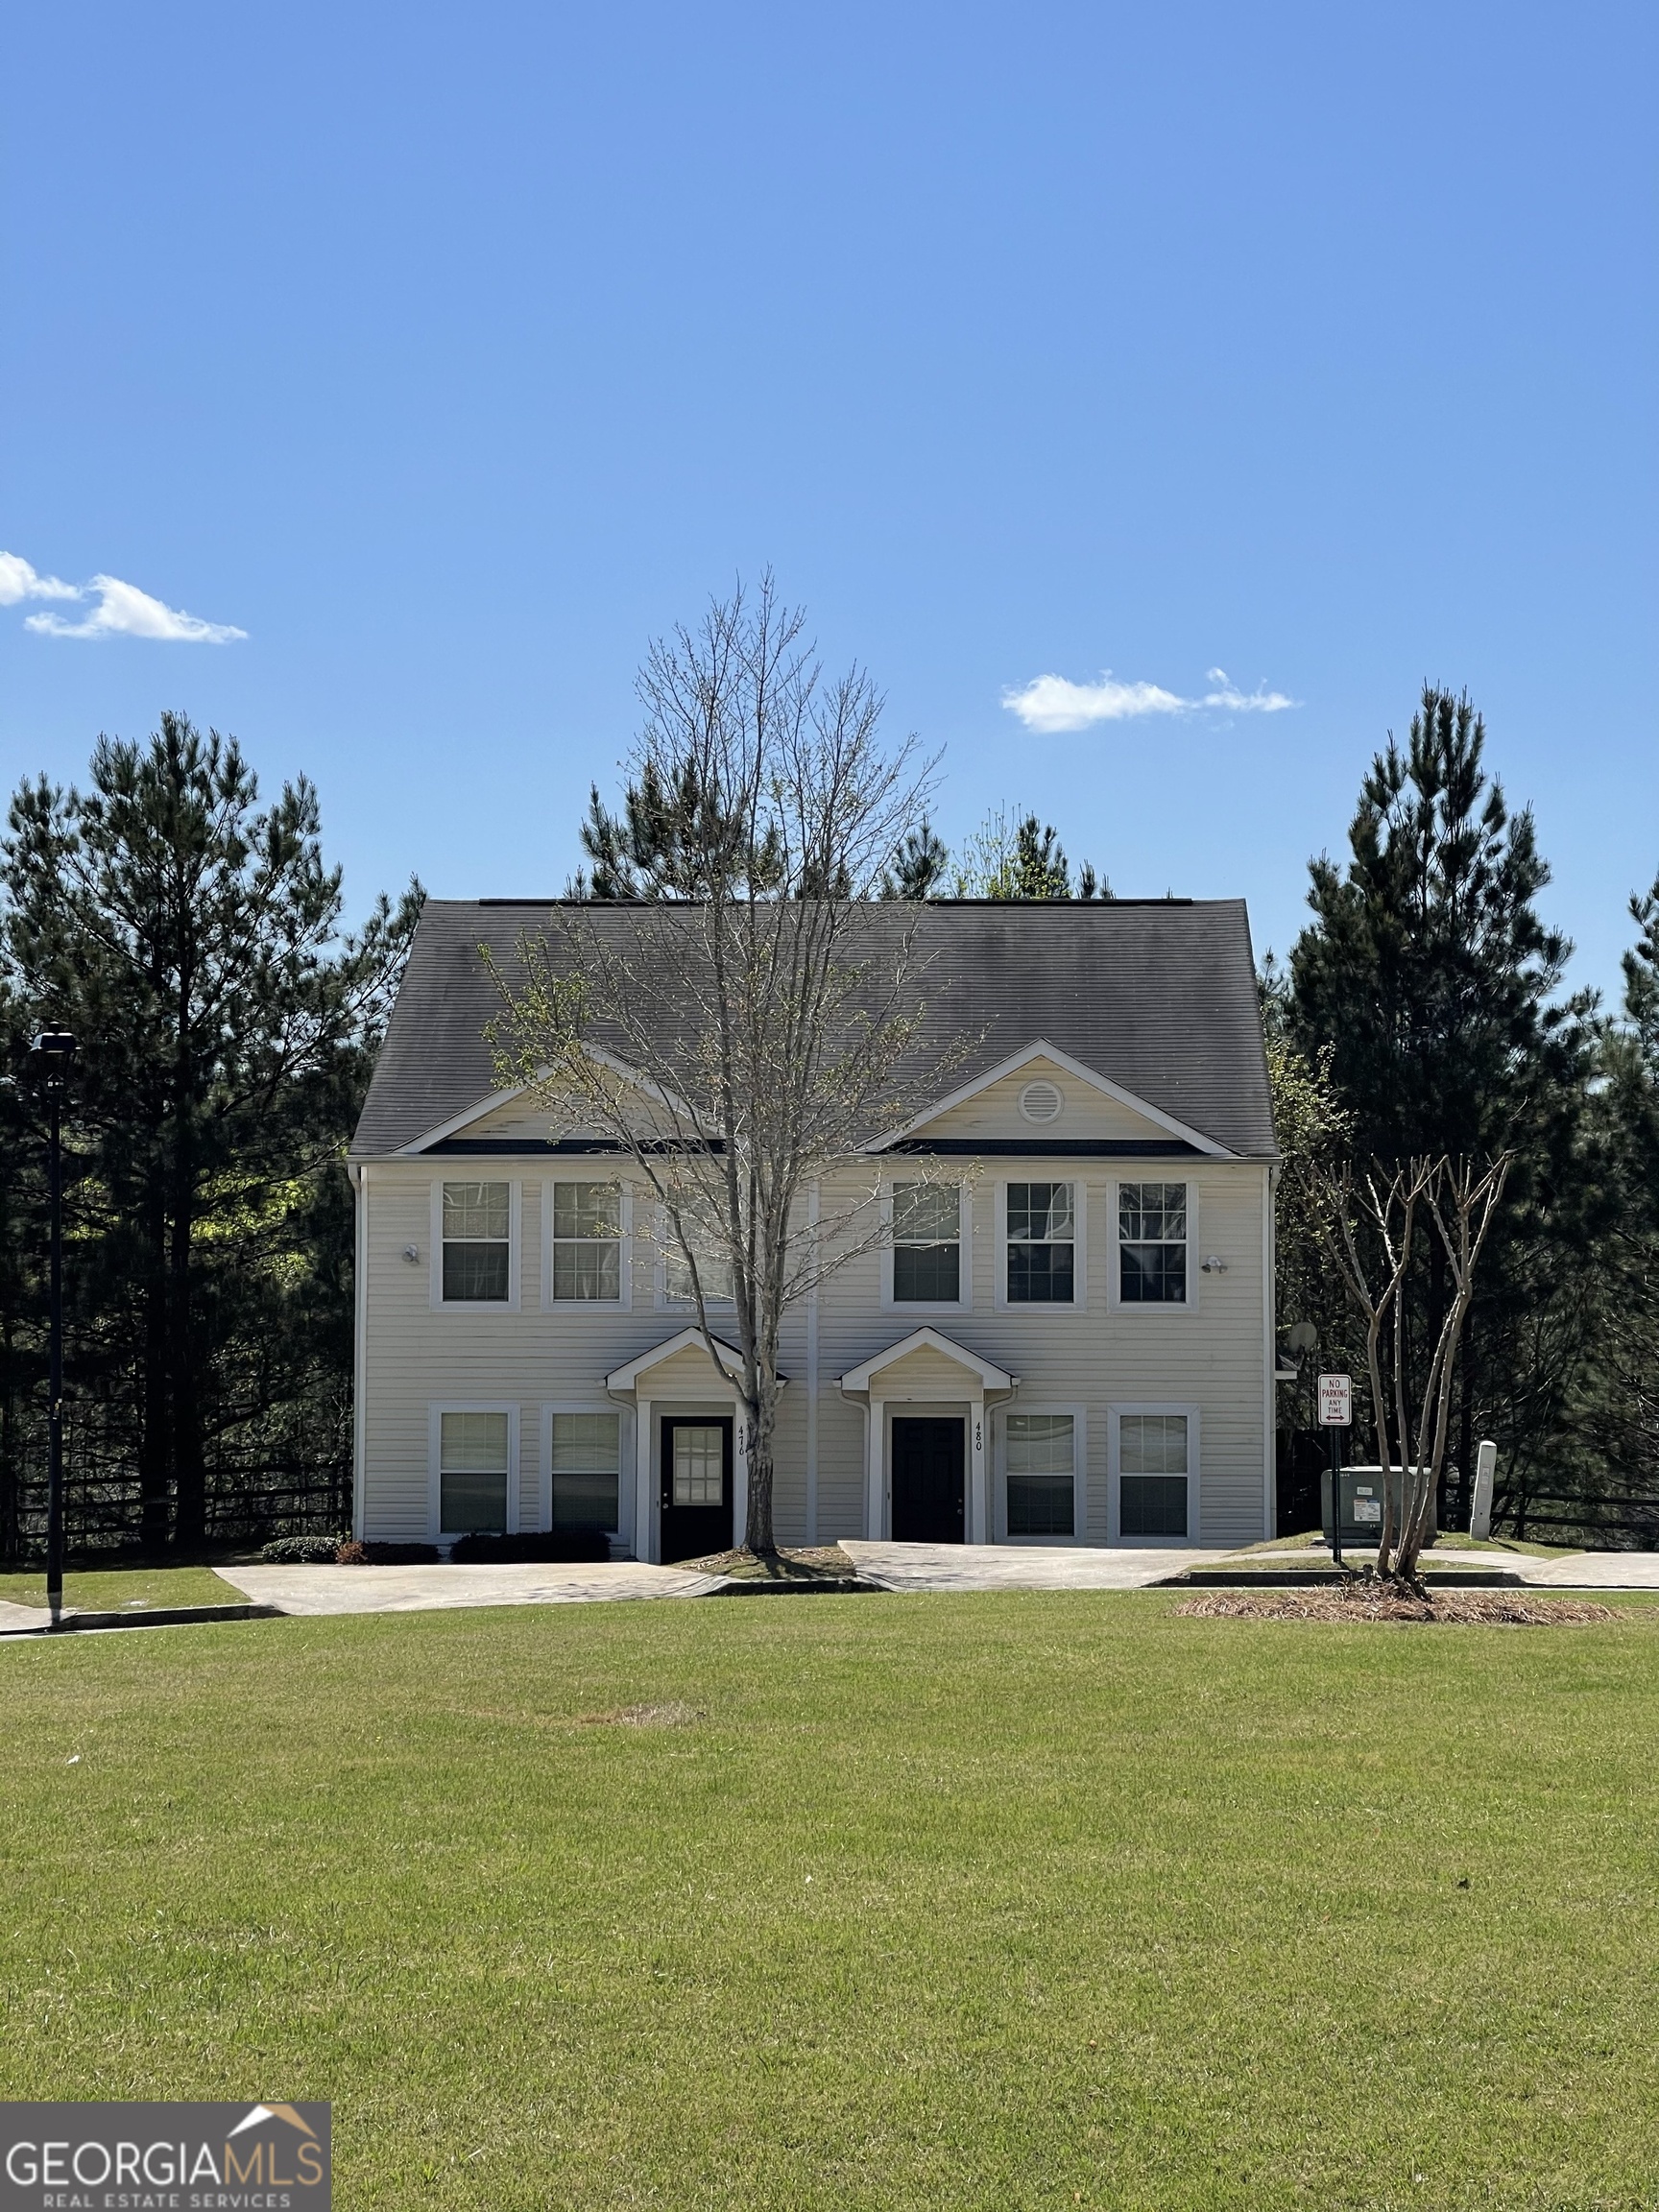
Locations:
(1092, 1108)
(1156, 999)
(957, 1359)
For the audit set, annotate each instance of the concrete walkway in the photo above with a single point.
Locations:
(312, 1589)
(1579, 1571)
(1592, 1571)
(1020, 1566)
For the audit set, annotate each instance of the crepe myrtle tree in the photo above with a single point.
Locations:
(1373, 1220)
(748, 1017)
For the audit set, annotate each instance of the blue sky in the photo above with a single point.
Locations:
(451, 354)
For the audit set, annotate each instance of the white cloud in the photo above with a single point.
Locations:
(123, 610)
(19, 581)
(1049, 704)
(1261, 701)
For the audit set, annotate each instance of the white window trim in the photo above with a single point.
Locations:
(1079, 1476)
(515, 1248)
(625, 1457)
(962, 1305)
(1043, 1172)
(664, 1304)
(625, 1262)
(1114, 1272)
(1114, 1473)
(435, 1412)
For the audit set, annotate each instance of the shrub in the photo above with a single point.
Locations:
(355, 1555)
(566, 1545)
(303, 1550)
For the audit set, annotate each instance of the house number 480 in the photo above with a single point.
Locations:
(978, 1437)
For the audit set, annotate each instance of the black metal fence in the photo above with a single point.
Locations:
(1605, 1522)
(259, 1491)
(105, 1512)
(1600, 1524)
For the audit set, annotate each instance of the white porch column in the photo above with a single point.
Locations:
(875, 1493)
(645, 1546)
(978, 1496)
(739, 1477)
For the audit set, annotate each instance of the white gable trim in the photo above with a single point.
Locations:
(683, 1340)
(459, 1121)
(991, 1375)
(1042, 1050)
(499, 1098)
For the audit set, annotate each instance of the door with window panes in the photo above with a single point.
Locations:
(696, 1486)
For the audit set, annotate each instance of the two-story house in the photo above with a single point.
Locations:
(1070, 1341)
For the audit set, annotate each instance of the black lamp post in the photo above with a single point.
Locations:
(54, 1050)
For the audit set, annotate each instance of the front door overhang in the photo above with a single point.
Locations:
(679, 1372)
(928, 1368)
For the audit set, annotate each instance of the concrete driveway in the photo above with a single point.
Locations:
(311, 1590)
(1578, 1570)
(1020, 1566)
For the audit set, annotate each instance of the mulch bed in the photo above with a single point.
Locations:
(1373, 1600)
(815, 1563)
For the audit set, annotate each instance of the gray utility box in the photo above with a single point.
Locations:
(1362, 1503)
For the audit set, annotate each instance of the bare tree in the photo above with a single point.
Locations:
(1372, 1222)
(743, 1032)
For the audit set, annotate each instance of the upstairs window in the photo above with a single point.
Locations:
(1152, 1243)
(1041, 1471)
(927, 1244)
(587, 1470)
(472, 1473)
(588, 1242)
(713, 1272)
(1041, 1244)
(477, 1242)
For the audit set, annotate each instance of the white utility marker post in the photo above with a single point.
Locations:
(1480, 1505)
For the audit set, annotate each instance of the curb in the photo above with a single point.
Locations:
(160, 1617)
(842, 1586)
(1266, 1579)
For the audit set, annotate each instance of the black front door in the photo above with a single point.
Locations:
(929, 1486)
(696, 1487)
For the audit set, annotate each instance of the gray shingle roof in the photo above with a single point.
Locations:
(1157, 995)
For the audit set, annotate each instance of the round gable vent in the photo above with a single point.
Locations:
(1041, 1101)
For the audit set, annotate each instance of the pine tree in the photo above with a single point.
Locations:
(1616, 1401)
(192, 942)
(1019, 857)
(1432, 980)
(916, 869)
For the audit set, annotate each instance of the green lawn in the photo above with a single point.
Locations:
(115, 1590)
(994, 1902)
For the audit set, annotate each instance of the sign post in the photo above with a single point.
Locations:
(1337, 1413)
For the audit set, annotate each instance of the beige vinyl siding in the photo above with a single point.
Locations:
(1210, 1354)
(925, 1370)
(519, 1117)
(1213, 1354)
(1088, 1113)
